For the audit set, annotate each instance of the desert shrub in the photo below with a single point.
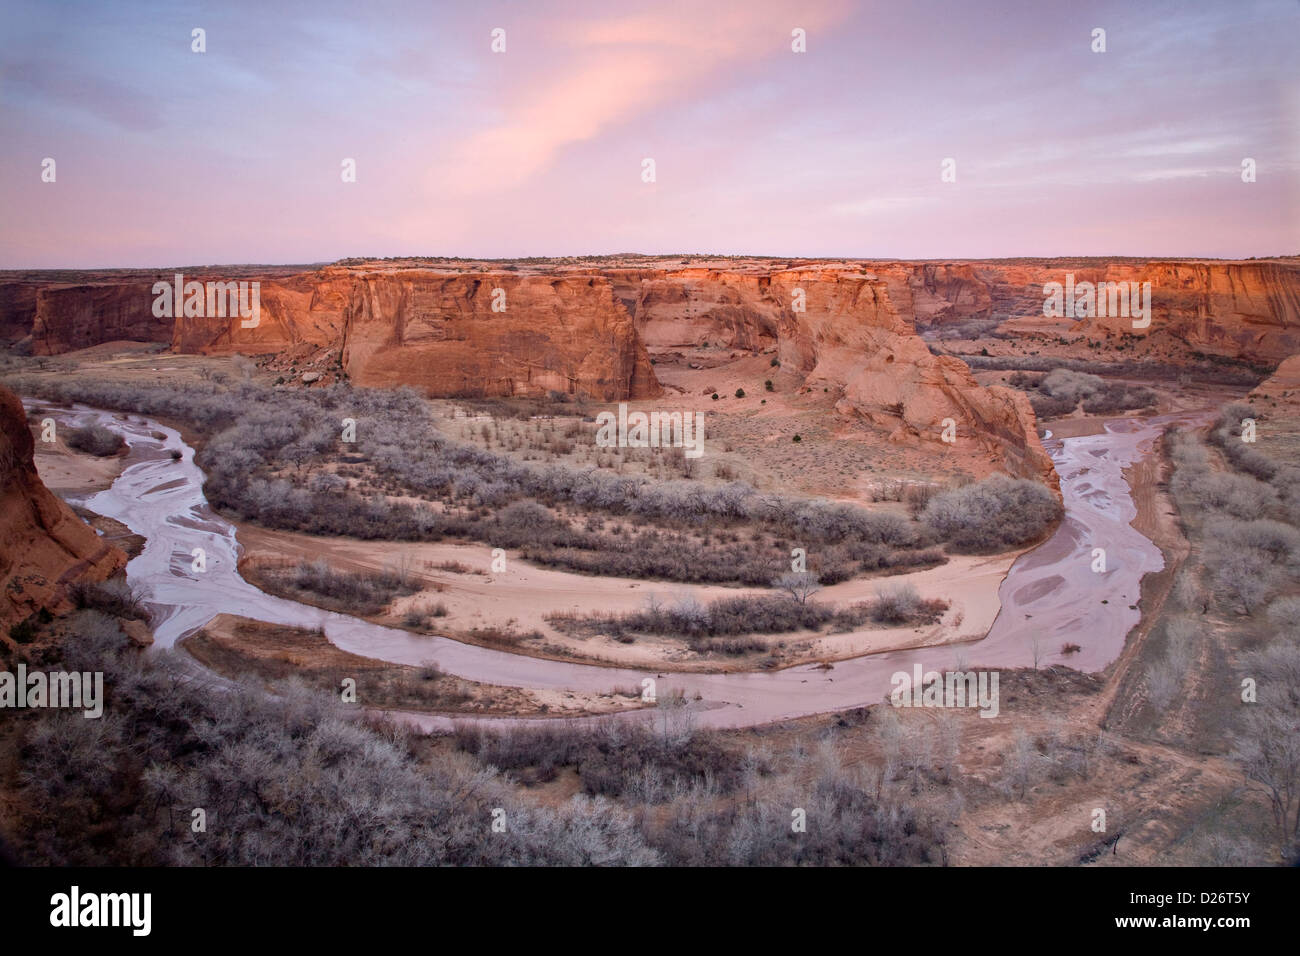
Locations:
(1167, 673)
(1063, 383)
(289, 775)
(993, 515)
(1246, 578)
(1284, 617)
(362, 592)
(526, 515)
(95, 440)
(689, 619)
(917, 497)
(1276, 541)
(274, 457)
(611, 760)
(1267, 746)
(1045, 406)
(1227, 435)
(113, 597)
(1118, 398)
(1060, 391)
(1239, 496)
(901, 605)
(798, 585)
(1210, 371)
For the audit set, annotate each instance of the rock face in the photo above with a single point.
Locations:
(436, 331)
(17, 309)
(495, 334)
(1247, 310)
(852, 338)
(71, 317)
(1241, 310)
(1282, 387)
(44, 547)
(474, 329)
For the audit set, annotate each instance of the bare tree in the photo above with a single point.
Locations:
(800, 585)
(1269, 754)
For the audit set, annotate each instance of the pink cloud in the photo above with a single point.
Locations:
(613, 70)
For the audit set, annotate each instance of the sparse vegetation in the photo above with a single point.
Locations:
(902, 606)
(95, 440)
(354, 592)
(281, 463)
(288, 775)
(1061, 390)
(993, 515)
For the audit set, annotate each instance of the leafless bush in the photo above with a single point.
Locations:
(114, 597)
(95, 440)
(994, 514)
(1247, 578)
(901, 605)
(757, 614)
(1165, 676)
(293, 780)
(364, 592)
(800, 585)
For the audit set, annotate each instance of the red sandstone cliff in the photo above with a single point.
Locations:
(435, 331)
(442, 333)
(854, 337)
(1282, 387)
(44, 547)
(585, 328)
(1248, 309)
(1242, 310)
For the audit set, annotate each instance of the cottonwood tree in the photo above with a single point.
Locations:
(1268, 746)
(800, 585)
(1268, 751)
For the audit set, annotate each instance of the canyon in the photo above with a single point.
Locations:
(594, 329)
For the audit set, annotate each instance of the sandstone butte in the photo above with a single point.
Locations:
(44, 547)
(589, 327)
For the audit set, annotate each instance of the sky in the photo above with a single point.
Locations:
(164, 156)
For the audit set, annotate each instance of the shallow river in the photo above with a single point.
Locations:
(1051, 595)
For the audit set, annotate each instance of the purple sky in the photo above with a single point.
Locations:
(168, 157)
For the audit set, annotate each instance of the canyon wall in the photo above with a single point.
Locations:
(433, 330)
(1242, 309)
(588, 328)
(68, 317)
(44, 547)
(546, 333)
(854, 337)
(1248, 310)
